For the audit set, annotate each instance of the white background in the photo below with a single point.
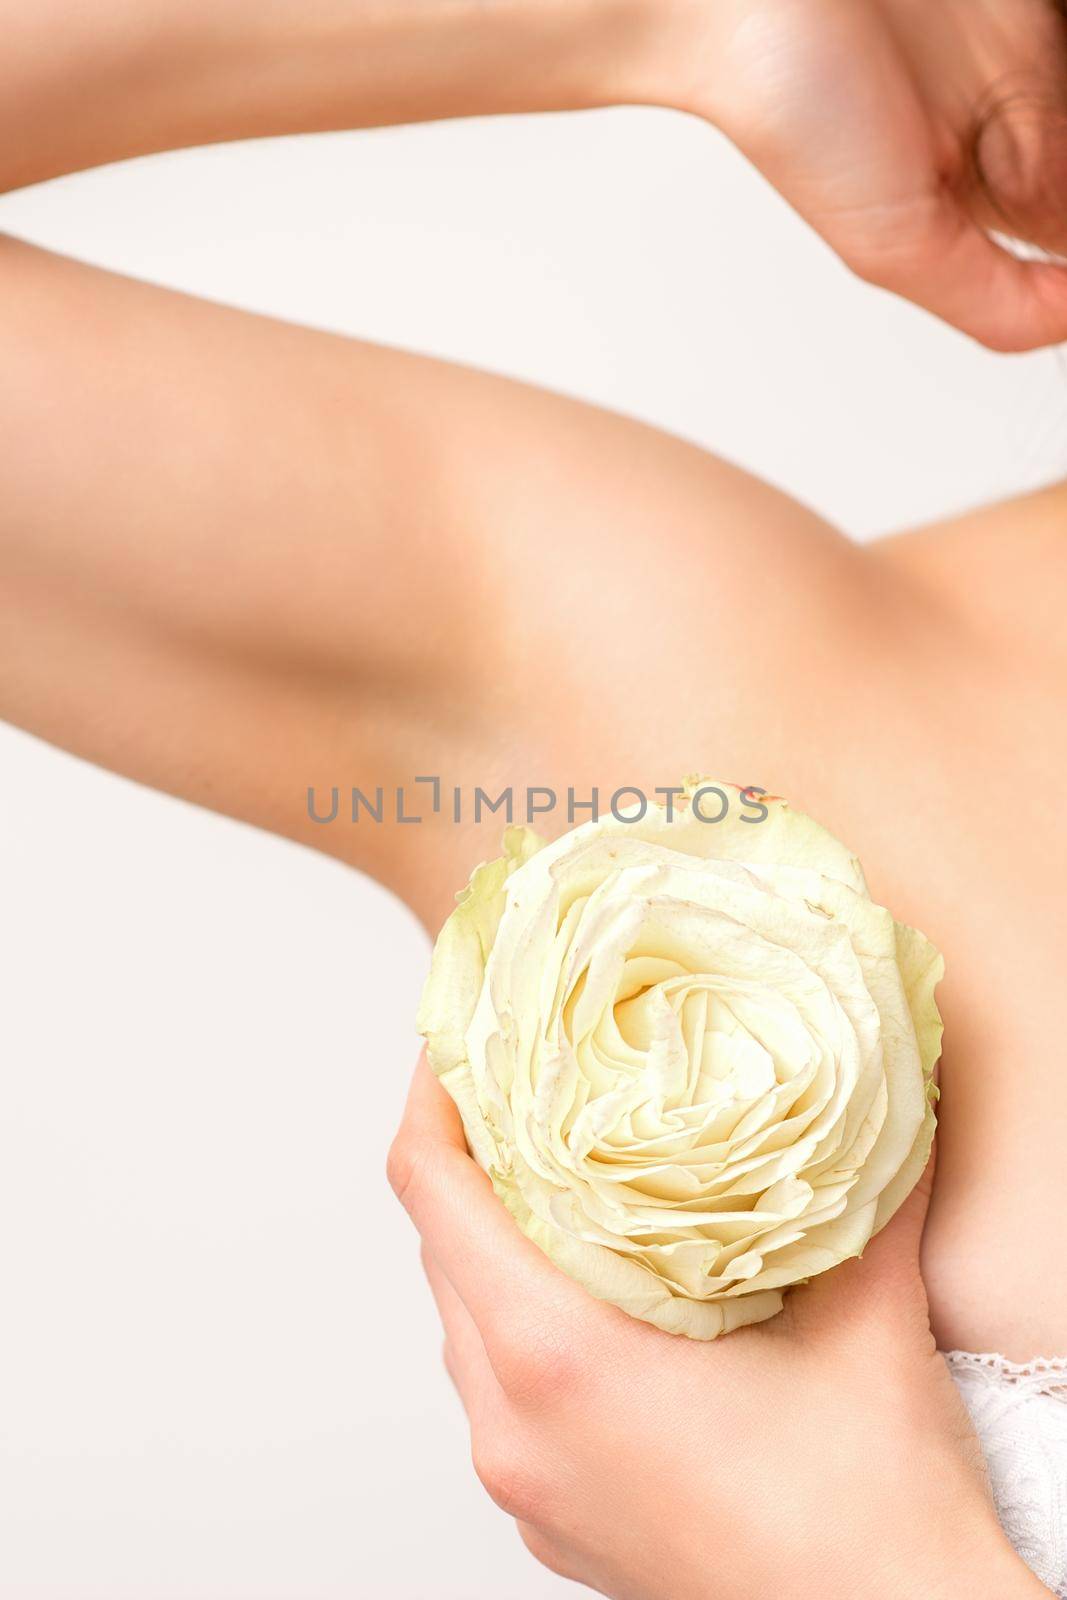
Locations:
(219, 1368)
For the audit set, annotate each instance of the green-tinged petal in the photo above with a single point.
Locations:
(922, 967)
(457, 969)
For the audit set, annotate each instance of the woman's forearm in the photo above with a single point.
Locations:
(80, 86)
(869, 120)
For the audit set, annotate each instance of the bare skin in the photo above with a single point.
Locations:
(239, 559)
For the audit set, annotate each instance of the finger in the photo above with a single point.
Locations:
(465, 1358)
(943, 261)
(900, 1239)
(884, 1284)
(502, 1278)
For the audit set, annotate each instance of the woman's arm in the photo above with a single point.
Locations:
(240, 558)
(900, 133)
(82, 86)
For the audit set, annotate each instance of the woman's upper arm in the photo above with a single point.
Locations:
(225, 555)
(240, 558)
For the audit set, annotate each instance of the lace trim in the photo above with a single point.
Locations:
(1042, 1375)
(1019, 1411)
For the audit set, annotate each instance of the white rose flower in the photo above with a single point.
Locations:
(694, 1057)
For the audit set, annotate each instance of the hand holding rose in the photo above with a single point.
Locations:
(694, 1060)
(822, 1455)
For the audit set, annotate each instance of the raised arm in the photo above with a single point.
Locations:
(901, 132)
(239, 559)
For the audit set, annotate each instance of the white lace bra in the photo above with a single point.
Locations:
(1020, 1415)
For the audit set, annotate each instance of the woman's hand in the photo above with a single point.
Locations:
(901, 131)
(824, 1453)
